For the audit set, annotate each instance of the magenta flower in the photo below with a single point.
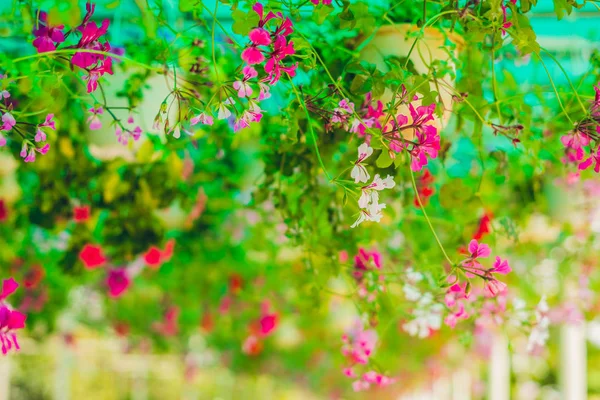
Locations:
(95, 73)
(93, 120)
(10, 320)
(478, 250)
(46, 36)
(252, 55)
(493, 287)
(5, 94)
(260, 37)
(325, 2)
(594, 158)
(118, 282)
(501, 266)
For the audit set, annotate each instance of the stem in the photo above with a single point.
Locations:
(554, 88)
(72, 51)
(568, 79)
(213, 43)
(494, 85)
(312, 132)
(437, 239)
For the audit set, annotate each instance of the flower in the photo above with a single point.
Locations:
(93, 120)
(8, 121)
(46, 36)
(427, 317)
(268, 323)
(81, 213)
(478, 250)
(10, 320)
(358, 343)
(371, 213)
(501, 266)
(169, 326)
(369, 193)
(117, 281)
(243, 88)
(593, 158)
(324, 2)
(202, 118)
(155, 257)
(252, 346)
(92, 256)
(540, 332)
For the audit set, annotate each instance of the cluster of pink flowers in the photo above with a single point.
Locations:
(10, 319)
(424, 142)
(472, 267)
(367, 265)
(96, 64)
(271, 46)
(324, 2)
(33, 142)
(358, 346)
(582, 145)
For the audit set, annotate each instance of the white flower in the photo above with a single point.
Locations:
(371, 213)
(359, 172)
(428, 317)
(539, 334)
(411, 293)
(369, 193)
(223, 112)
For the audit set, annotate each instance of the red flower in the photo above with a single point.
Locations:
(424, 188)
(3, 211)
(484, 226)
(34, 277)
(81, 214)
(155, 257)
(92, 256)
(235, 283)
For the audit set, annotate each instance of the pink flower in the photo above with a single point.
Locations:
(493, 287)
(594, 158)
(46, 36)
(8, 121)
(170, 323)
(92, 256)
(501, 266)
(268, 323)
(252, 346)
(93, 120)
(576, 140)
(8, 287)
(260, 37)
(10, 320)
(117, 281)
(252, 55)
(478, 250)
(360, 385)
(325, 2)
(95, 73)
(243, 88)
(359, 344)
(202, 118)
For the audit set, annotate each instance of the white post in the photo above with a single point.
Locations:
(461, 385)
(573, 362)
(4, 376)
(62, 373)
(499, 370)
(441, 389)
(139, 386)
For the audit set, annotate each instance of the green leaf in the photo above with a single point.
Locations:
(384, 160)
(243, 22)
